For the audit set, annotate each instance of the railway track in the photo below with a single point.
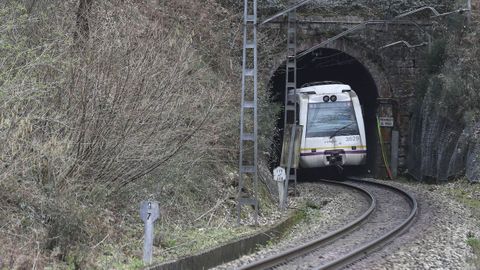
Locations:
(390, 212)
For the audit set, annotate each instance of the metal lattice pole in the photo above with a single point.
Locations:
(248, 167)
(290, 93)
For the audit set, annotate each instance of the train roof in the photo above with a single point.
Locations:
(325, 88)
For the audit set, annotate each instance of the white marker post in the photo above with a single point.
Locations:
(279, 176)
(149, 212)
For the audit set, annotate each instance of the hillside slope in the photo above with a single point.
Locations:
(445, 130)
(104, 104)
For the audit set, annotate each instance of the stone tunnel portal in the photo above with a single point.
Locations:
(327, 64)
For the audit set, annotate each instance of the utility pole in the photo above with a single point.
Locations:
(248, 160)
(248, 168)
(291, 96)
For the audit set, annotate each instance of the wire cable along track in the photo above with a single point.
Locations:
(390, 212)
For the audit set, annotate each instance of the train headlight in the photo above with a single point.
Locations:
(333, 98)
(326, 98)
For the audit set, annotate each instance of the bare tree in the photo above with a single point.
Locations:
(83, 11)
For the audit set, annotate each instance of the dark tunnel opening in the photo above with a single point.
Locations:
(333, 65)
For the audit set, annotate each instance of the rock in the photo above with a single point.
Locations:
(473, 170)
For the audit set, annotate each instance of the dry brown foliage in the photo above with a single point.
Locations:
(145, 108)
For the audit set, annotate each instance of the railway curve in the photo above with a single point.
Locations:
(391, 211)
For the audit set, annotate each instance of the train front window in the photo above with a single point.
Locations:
(327, 119)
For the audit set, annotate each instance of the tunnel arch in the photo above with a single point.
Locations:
(347, 62)
(362, 54)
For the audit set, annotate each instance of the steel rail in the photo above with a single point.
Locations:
(314, 244)
(353, 255)
(377, 243)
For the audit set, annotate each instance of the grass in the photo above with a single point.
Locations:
(170, 243)
(474, 243)
(312, 212)
(468, 194)
(188, 241)
(465, 198)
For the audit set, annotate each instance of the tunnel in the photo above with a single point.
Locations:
(327, 64)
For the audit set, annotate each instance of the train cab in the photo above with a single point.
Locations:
(333, 127)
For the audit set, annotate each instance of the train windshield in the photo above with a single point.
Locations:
(327, 119)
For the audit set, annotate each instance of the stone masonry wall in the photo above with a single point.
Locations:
(395, 70)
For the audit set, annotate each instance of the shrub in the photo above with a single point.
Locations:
(142, 108)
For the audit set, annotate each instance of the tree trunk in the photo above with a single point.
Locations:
(82, 33)
(31, 6)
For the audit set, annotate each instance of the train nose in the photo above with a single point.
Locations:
(335, 157)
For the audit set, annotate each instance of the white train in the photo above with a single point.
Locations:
(333, 128)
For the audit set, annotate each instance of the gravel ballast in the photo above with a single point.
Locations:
(436, 240)
(328, 207)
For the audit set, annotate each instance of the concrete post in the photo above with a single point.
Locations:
(148, 243)
(394, 152)
(280, 176)
(149, 212)
(281, 195)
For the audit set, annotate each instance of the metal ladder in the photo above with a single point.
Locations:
(248, 116)
(291, 86)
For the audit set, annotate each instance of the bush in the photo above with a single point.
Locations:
(143, 107)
